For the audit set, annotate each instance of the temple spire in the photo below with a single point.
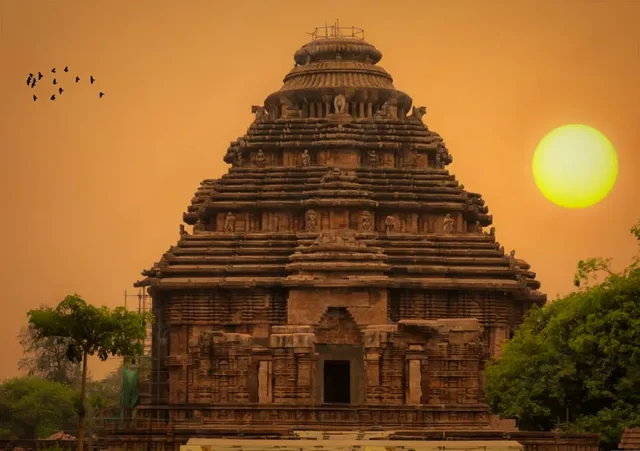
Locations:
(335, 31)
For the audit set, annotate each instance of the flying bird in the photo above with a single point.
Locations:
(60, 90)
(101, 94)
(92, 79)
(33, 82)
(55, 82)
(53, 70)
(66, 68)
(40, 75)
(77, 79)
(29, 79)
(34, 98)
(53, 97)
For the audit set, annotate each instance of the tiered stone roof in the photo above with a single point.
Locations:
(338, 137)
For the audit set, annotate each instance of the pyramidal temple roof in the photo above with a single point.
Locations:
(338, 182)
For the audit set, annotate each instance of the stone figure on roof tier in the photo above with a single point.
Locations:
(260, 112)
(311, 221)
(418, 112)
(306, 158)
(366, 222)
(478, 227)
(447, 226)
(199, 226)
(260, 158)
(230, 223)
(373, 158)
(390, 223)
(183, 232)
(340, 104)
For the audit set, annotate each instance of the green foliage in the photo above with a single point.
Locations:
(32, 407)
(581, 353)
(46, 357)
(89, 330)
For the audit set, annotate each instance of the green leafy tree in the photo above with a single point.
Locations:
(46, 357)
(579, 354)
(90, 330)
(32, 407)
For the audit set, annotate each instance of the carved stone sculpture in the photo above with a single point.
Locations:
(230, 223)
(238, 160)
(311, 221)
(390, 223)
(340, 104)
(447, 226)
(384, 112)
(373, 158)
(306, 158)
(260, 112)
(260, 158)
(199, 226)
(478, 227)
(183, 232)
(366, 222)
(492, 231)
(415, 159)
(418, 112)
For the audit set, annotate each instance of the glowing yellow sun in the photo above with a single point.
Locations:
(575, 166)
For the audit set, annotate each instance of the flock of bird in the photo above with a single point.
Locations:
(33, 80)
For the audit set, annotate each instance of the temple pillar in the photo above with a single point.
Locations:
(292, 348)
(265, 390)
(360, 109)
(372, 339)
(413, 380)
(369, 109)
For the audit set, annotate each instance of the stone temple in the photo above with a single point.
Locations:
(337, 278)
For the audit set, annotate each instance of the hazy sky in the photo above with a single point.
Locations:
(92, 190)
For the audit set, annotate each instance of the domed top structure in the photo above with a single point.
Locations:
(338, 268)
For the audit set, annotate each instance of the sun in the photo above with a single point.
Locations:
(575, 166)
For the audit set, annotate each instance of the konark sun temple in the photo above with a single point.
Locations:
(338, 281)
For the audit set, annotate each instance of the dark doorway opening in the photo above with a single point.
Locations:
(337, 381)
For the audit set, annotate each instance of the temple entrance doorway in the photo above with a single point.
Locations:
(337, 381)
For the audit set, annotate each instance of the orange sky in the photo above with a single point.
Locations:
(92, 191)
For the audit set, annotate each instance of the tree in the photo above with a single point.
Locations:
(47, 358)
(89, 330)
(32, 407)
(579, 354)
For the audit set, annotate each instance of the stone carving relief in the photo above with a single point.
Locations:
(340, 104)
(414, 159)
(199, 227)
(238, 159)
(344, 237)
(492, 231)
(260, 158)
(372, 157)
(390, 224)
(384, 112)
(260, 112)
(230, 223)
(366, 221)
(447, 225)
(512, 259)
(443, 157)
(311, 221)
(306, 158)
(183, 232)
(418, 112)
